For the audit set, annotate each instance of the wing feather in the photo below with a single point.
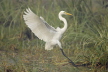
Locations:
(48, 26)
(37, 26)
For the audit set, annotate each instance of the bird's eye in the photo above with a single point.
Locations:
(64, 12)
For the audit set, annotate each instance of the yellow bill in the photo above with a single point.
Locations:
(68, 13)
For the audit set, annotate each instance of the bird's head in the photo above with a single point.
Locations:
(64, 13)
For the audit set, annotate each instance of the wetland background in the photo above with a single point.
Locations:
(85, 41)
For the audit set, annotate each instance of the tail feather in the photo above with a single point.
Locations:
(48, 46)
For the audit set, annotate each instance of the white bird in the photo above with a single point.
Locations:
(46, 32)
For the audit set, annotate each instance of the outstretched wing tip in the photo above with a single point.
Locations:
(28, 10)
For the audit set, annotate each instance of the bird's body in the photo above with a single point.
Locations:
(43, 30)
(46, 32)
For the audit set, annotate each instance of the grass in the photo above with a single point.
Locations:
(85, 40)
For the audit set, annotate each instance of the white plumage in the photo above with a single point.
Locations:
(43, 30)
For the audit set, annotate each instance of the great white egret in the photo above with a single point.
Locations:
(46, 32)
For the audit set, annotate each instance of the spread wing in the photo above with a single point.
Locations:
(38, 26)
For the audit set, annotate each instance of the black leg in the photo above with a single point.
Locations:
(70, 61)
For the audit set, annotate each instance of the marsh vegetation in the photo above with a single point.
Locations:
(85, 41)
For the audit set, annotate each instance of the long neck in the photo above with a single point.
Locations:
(65, 23)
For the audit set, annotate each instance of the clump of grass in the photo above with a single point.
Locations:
(97, 39)
(90, 34)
